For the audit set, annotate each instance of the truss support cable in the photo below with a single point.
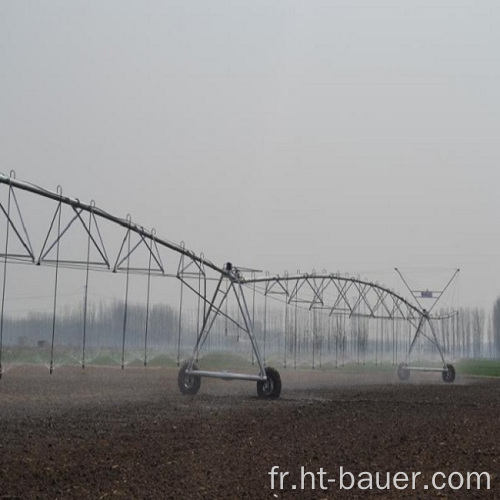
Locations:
(286, 333)
(180, 325)
(147, 312)
(265, 328)
(86, 296)
(198, 312)
(358, 338)
(320, 342)
(409, 336)
(295, 340)
(342, 338)
(329, 345)
(125, 309)
(226, 316)
(337, 344)
(239, 317)
(393, 343)
(382, 343)
(4, 284)
(317, 339)
(313, 337)
(202, 272)
(55, 288)
(329, 336)
(253, 315)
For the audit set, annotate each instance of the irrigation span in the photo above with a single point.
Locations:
(290, 320)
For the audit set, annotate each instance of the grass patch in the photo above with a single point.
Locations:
(26, 356)
(224, 361)
(39, 356)
(104, 359)
(479, 367)
(162, 360)
(368, 367)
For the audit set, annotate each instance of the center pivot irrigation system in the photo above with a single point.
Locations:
(331, 295)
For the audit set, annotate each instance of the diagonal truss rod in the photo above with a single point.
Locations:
(332, 292)
(26, 244)
(215, 308)
(432, 338)
(80, 207)
(440, 293)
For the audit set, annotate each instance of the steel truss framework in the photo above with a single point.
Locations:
(330, 294)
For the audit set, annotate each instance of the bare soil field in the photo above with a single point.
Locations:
(106, 432)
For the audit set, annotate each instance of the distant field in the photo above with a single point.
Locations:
(225, 361)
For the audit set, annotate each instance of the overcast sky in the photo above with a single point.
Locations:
(351, 136)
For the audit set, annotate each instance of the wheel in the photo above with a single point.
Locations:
(403, 372)
(270, 388)
(188, 384)
(449, 374)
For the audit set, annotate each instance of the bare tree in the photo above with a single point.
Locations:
(478, 321)
(496, 327)
(464, 332)
(490, 337)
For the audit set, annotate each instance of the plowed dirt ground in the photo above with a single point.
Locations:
(108, 433)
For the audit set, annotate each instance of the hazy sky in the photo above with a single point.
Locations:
(351, 136)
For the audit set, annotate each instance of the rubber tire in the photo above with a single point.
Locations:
(403, 372)
(449, 374)
(270, 388)
(188, 384)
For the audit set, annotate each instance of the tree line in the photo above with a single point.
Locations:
(304, 334)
